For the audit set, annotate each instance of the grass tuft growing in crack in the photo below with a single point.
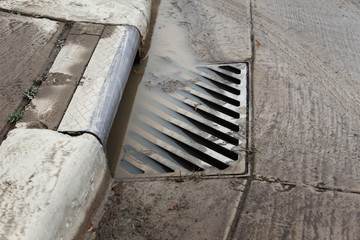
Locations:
(59, 45)
(14, 12)
(31, 93)
(16, 117)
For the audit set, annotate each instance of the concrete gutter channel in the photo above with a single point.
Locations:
(50, 179)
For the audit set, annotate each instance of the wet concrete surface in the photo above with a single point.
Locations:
(26, 44)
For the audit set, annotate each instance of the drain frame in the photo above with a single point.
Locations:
(235, 169)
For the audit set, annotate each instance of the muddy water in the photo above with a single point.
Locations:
(165, 68)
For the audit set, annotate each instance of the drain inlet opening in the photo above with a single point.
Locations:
(130, 168)
(223, 86)
(230, 69)
(222, 75)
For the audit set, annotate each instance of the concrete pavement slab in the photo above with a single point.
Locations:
(48, 183)
(278, 211)
(48, 107)
(25, 47)
(188, 208)
(117, 12)
(306, 91)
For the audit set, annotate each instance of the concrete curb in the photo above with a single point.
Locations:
(102, 85)
(50, 180)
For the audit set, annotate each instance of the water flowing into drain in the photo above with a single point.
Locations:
(188, 116)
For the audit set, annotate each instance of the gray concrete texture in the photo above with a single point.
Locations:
(26, 44)
(306, 91)
(47, 108)
(194, 209)
(280, 211)
(49, 181)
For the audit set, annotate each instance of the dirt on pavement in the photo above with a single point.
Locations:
(178, 208)
(26, 44)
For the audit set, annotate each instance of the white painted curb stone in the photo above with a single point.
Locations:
(48, 182)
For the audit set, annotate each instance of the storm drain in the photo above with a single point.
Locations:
(195, 122)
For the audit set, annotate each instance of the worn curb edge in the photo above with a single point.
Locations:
(96, 99)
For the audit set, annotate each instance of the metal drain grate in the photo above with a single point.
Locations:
(196, 123)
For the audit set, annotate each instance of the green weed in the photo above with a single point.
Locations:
(31, 93)
(16, 117)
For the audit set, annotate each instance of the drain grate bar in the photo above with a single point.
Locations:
(155, 156)
(170, 148)
(213, 127)
(195, 123)
(139, 164)
(218, 79)
(213, 86)
(200, 105)
(230, 104)
(186, 127)
(187, 141)
(226, 95)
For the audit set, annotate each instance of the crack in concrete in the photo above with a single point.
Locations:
(320, 187)
(19, 13)
(240, 207)
(250, 157)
